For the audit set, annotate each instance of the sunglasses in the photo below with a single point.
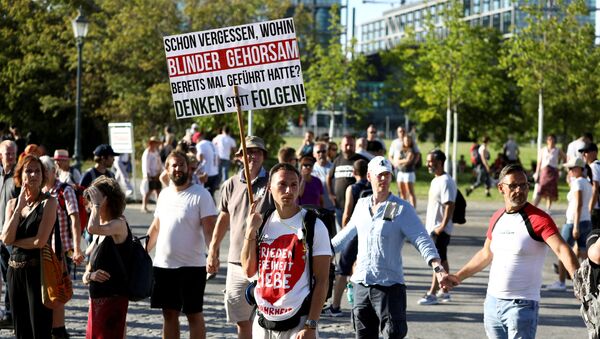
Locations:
(307, 165)
(322, 151)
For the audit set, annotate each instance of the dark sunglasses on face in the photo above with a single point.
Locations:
(307, 165)
(322, 151)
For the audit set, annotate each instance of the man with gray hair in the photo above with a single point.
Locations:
(8, 152)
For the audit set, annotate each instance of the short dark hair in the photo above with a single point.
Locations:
(177, 154)
(21, 166)
(360, 167)
(438, 155)
(283, 166)
(287, 154)
(510, 169)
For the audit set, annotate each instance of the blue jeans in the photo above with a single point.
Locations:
(510, 318)
(585, 227)
(379, 308)
(224, 165)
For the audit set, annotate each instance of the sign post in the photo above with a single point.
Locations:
(231, 69)
(120, 136)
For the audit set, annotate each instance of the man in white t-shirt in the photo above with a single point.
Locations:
(438, 222)
(517, 241)
(225, 145)
(577, 144)
(590, 155)
(321, 170)
(279, 256)
(181, 230)
(209, 161)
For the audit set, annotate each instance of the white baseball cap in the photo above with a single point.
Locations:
(379, 165)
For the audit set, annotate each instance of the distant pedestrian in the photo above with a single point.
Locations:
(361, 148)
(406, 176)
(482, 168)
(590, 155)
(287, 155)
(332, 151)
(181, 230)
(65, 172)
(151, 169)
(547, 172)
(122, 168)
(577, 144)
(321, 170)
(510, 150)
(307, 144)
(104, 156)
(438, 222)
(374, 145)
(311, 187)
(104, 274)
(225, 146)
(209, 161)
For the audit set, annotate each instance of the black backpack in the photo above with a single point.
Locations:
(137, 268)
(460, 207)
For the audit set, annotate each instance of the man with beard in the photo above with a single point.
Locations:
(183, 223)
(234, 207)
(516, 247)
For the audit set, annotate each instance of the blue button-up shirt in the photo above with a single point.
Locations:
(380, 241)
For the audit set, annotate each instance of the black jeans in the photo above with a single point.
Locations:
(380, 308)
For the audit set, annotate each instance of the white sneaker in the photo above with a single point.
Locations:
(557, 286)
(428, 299)
(443, 297)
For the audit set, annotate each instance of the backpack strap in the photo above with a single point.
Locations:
(310, 220)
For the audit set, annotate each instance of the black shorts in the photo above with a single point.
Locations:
(441, 244)
(347, 258)
(180, 289)
(154, 184)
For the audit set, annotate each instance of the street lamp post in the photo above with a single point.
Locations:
(80, 29)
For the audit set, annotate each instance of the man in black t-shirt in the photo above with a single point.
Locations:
(341, 175)
(104, 156)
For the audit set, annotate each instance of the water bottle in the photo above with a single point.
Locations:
(350, 293)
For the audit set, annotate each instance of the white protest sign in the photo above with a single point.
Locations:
(120, 135)
(262, 59)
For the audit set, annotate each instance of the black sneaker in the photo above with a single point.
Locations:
(7, 323)
(330, 311)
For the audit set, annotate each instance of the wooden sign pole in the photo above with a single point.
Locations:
(243, 142)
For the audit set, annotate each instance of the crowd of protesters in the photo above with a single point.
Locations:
(271, 235)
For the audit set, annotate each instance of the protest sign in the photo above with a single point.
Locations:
(261, 59)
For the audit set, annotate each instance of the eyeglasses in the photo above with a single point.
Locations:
(307, 165)
(513, 187)
(372, 132)
(322, 151)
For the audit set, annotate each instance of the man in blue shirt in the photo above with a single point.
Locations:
(382, 222)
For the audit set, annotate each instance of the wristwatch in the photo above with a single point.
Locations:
(439, 269)
(312, 324)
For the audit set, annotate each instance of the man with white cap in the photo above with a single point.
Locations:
(65, 172)
(382, 222)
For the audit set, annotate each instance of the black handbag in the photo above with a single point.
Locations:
(137, 268)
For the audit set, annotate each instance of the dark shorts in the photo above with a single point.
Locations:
(154, 184)
(595, 219)
(179, 289)
(441, 244)
(347, 258)
(380, 308)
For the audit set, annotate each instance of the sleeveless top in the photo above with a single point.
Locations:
(28, 228)
(549, 157)
(408, 167)
(104, 257)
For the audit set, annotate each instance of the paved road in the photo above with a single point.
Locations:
(460, 318)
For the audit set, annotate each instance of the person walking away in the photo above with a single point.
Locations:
(69, 230)
(151, 169)
(104, 274)
(482, 169)
(225, 146)
(547, 173)
(579, 222)
(382, 223)
(438, 222)
(181, 230)
(29, 221)
(234, 208)
(286, 294)
(209, 161)
(517, 241)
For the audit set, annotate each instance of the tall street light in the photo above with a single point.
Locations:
(80, 29)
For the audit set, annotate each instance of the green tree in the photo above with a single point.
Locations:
(553, 59)
(332, 77)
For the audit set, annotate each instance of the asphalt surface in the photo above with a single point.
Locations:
(462, 317)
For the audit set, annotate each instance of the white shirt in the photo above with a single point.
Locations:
(322, 172)
(181, 241)
(550, 157)
(224, 143)
(211, 159)
(595, 167)
(511, 149)
(579, 184)
(441, 191)
(151, 164)
(396, 147)
(283, 269)
(573, 149)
